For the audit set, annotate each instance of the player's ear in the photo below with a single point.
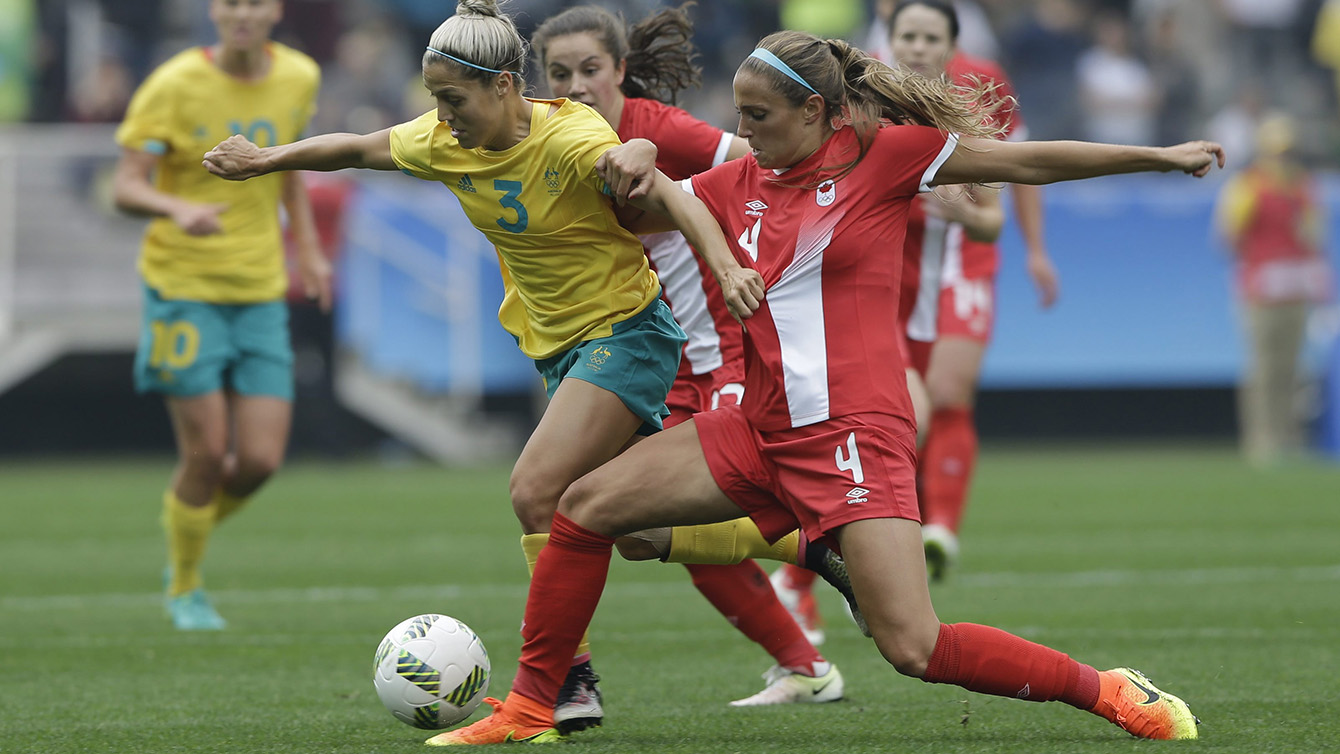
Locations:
(505, 82)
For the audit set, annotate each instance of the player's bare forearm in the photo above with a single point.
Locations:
(741, 287)
(1029, 215)
(1041, 162)
(237, 159)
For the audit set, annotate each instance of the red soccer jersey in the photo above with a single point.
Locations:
(686, 146)
(823, 344)
(975, 259)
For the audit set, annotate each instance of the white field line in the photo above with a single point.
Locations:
(323, 595)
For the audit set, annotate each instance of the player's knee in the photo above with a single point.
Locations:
(205, 462)
(534, 499)
(253, 469)
(636, 549)
(950, 390)
(908, 650)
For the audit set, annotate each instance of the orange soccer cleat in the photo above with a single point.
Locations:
(1129, 700)
(518, 720)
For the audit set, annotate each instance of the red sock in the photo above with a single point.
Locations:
(946, 467)
(990, 661)
(797, 577)
(743, 595)
(564, 592)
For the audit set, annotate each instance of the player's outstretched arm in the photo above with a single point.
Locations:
(1040, 162)
(741, 286)
(237, 159)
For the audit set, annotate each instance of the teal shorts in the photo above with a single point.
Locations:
(190, 348)
(636, 362)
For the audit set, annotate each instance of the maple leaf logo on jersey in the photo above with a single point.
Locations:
(754, 208)
(826, 194)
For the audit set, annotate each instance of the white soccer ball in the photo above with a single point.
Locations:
(431, 671)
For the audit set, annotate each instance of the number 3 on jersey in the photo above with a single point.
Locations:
(851, 461)
(511, 190)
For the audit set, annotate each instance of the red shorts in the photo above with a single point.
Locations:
(917, 354)
(968, 309)
(692, 393)
(816, 477)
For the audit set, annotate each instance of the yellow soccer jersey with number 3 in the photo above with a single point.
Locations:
(185, 107)
(570, 271)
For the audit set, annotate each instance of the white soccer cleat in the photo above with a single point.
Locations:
(941, 550)
(788, 687)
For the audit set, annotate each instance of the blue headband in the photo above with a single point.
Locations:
(466, 62)
(776, 62)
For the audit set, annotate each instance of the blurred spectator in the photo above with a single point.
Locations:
(16, 32)
(1178, 92)
(1234, 126)
(1116, 89)
(103, 92)
(1326, 40)
(1270, 214)
(364, 88)
(1262, 35)
(1041, 54)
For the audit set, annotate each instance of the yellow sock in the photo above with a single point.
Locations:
(727, 543)
(226, 505)
(531, 544)
(188, 529)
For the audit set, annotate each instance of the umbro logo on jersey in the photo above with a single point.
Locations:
(857, 495)
(465, 184)
(754, 208)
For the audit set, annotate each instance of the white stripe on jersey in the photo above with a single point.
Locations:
(926, 311)
(796, 302)
(682, 278)
(951, 142)
(722, 148)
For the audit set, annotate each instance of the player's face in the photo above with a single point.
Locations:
(245, 24)
(920, 40)
(775, 129)
(473, 109)
(578, 67)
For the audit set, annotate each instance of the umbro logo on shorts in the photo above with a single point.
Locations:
(857, 495)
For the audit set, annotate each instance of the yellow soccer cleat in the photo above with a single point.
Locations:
(1129, 700)
(518, 720)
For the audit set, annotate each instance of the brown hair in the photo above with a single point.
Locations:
(865, 93)
(480, 34)
(657, 50)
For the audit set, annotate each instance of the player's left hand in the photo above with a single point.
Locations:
(234, 159)
(628, 169)
(1043, 273)
(1195, 157)
(315, 272)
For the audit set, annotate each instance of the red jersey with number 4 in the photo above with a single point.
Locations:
(686, 146)
(823, 344)
(975, 259)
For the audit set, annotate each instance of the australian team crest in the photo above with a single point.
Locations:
(551, 181)
(826, 194)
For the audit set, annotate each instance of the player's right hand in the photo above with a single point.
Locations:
(199, 219)
(234, 159)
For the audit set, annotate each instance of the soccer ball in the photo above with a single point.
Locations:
(431, 671)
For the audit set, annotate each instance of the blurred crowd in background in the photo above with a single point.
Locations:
(1127, 71)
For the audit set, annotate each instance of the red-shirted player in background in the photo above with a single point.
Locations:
(825, 438)
(587, 55)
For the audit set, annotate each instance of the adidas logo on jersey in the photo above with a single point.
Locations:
(465, 184)
(754, 208)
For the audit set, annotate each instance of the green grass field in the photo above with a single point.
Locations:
(1220, 583)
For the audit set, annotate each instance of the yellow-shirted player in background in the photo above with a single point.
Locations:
(580, 298)
(215, 338)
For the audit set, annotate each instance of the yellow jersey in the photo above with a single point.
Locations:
(570, 271)
(185, 107)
